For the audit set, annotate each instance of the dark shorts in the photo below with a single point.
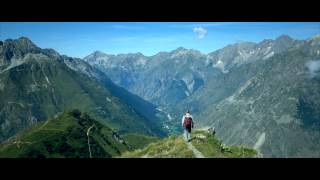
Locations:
(188, 129)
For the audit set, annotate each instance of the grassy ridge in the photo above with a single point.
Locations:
(171, 147)
(211, 147)
(176, 147)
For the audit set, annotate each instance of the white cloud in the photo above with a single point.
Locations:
(200, 31)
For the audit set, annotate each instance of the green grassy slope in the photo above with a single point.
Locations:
(65, 136)
(176, 147)
(172, 147)
(211, 147)
(137, 141)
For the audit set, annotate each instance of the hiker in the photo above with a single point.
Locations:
(187, 123)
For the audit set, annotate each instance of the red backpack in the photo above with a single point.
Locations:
(187, 122)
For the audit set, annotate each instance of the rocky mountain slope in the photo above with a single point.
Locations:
(264, 95)
(36, 84)
(270, 104)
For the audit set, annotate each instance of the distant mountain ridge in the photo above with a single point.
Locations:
(262, 94)
(142, 74)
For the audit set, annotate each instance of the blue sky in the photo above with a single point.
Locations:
(81, 39)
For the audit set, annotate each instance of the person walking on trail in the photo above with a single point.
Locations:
(187, 123)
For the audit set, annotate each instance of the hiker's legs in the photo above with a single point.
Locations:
(188, 134)
(185, 134)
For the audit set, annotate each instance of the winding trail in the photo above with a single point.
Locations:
(88, 134)
(195, 151)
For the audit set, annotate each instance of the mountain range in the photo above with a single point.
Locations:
(264, 95)
(37, 84)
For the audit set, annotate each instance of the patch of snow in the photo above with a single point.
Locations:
(47, 79)
(244, 56)
(243, 87)
(159, 109)
(191, 86)
(268, 50)
(179, 53)
(260, 141)
(102, 58)
(189, 81)
(81, 67)
(225, 71)
(70, 65)
(220, 65)
(268, 55)
(187, 93)
(230, 99)
(141, 61)
(108, 99)
(14, 63)
(169, 117)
